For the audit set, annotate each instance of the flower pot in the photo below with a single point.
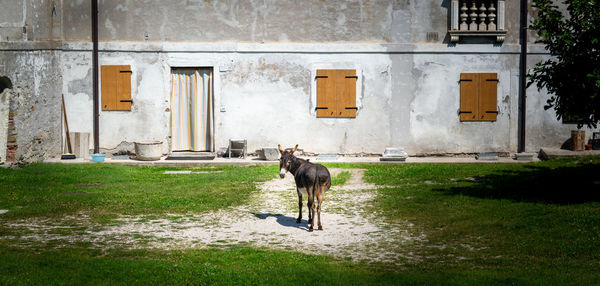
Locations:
(148, 151)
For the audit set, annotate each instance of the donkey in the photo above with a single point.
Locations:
(312, 180)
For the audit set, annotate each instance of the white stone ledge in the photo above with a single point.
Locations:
(351, 48)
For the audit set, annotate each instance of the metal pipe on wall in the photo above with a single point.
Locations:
(523, 78)
(95, 75)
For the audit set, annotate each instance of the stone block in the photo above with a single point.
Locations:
(393, 154)
(271, 154)
(490, 156)
(524, 156)
(268, 154)
(327, 157)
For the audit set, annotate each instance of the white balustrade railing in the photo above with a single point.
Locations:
(477, 18)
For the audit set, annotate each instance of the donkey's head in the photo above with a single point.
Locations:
(286, 160)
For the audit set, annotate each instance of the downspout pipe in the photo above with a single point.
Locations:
(95, 75)
(522, 79)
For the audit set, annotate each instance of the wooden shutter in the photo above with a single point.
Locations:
(336, 93)
(488, 88)
(468, 96)
(326, 105)
(109, 87)
(116, 87)
(346, 101)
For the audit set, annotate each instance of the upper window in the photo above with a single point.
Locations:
(477, 18)
(478, 96)
(116, 87)
(336, 93)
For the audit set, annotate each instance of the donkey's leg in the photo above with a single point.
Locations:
(320, 195)
(299, 219)
(311, 211)
(311, 200)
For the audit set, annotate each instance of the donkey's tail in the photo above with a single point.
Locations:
(323, 181)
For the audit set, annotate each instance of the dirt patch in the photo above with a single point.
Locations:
(268, 220)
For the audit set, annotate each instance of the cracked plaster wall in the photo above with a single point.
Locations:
(409, 94)
(35, 102)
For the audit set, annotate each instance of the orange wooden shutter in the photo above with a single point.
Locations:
(346, 96)
(116, 87)
(326, 89)
(124, 88)
(488, 89)
(109, 87)
(468, 96)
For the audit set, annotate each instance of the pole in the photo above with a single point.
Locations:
(95, 74)
(523, 78)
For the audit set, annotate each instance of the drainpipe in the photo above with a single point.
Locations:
(523, 78)
(95, 74)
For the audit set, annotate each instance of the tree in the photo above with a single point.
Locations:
(572, 75)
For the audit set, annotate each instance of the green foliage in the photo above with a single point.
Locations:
(572, 77)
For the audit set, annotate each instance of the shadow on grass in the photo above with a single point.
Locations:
(561, 185)
(284, 220)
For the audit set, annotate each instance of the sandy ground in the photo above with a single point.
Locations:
(268, 220)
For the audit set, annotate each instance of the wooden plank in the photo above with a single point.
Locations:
(109, 87)
(347, 94)
(326, 93)
(488, 96)
(468, 96)
(123, 87)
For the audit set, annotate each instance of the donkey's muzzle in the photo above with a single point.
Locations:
(282, 173)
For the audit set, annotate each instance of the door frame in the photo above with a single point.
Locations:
(179, 61)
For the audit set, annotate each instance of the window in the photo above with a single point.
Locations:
(116, 87)
(336, 93)
(479, 18)
(478, 96)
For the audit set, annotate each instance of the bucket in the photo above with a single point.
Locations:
(98, 157)
(148, 151)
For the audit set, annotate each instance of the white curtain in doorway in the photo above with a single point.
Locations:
(192, 109)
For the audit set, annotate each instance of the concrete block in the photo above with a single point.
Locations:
(80, 142)
(524, 156)
(326, 157)
(487, 156)
(394, 154)
(269, 154)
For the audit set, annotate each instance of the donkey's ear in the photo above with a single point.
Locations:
(295, 147)
(280, 150)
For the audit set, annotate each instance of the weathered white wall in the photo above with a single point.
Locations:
(427, 101)
(35, 101)
(265, 98)
(264, 55)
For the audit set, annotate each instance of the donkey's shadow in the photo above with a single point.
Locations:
(284, 220)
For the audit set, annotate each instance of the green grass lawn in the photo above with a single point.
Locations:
(485, 224)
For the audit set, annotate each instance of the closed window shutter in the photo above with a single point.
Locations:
(468, 96)
(326, 105)
(109, 87)
(336, 93)
(488, 110)
(347, 94)
(116, 87)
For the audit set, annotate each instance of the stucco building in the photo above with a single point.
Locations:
(333, 76)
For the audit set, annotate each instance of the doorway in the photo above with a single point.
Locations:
(192, 115)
